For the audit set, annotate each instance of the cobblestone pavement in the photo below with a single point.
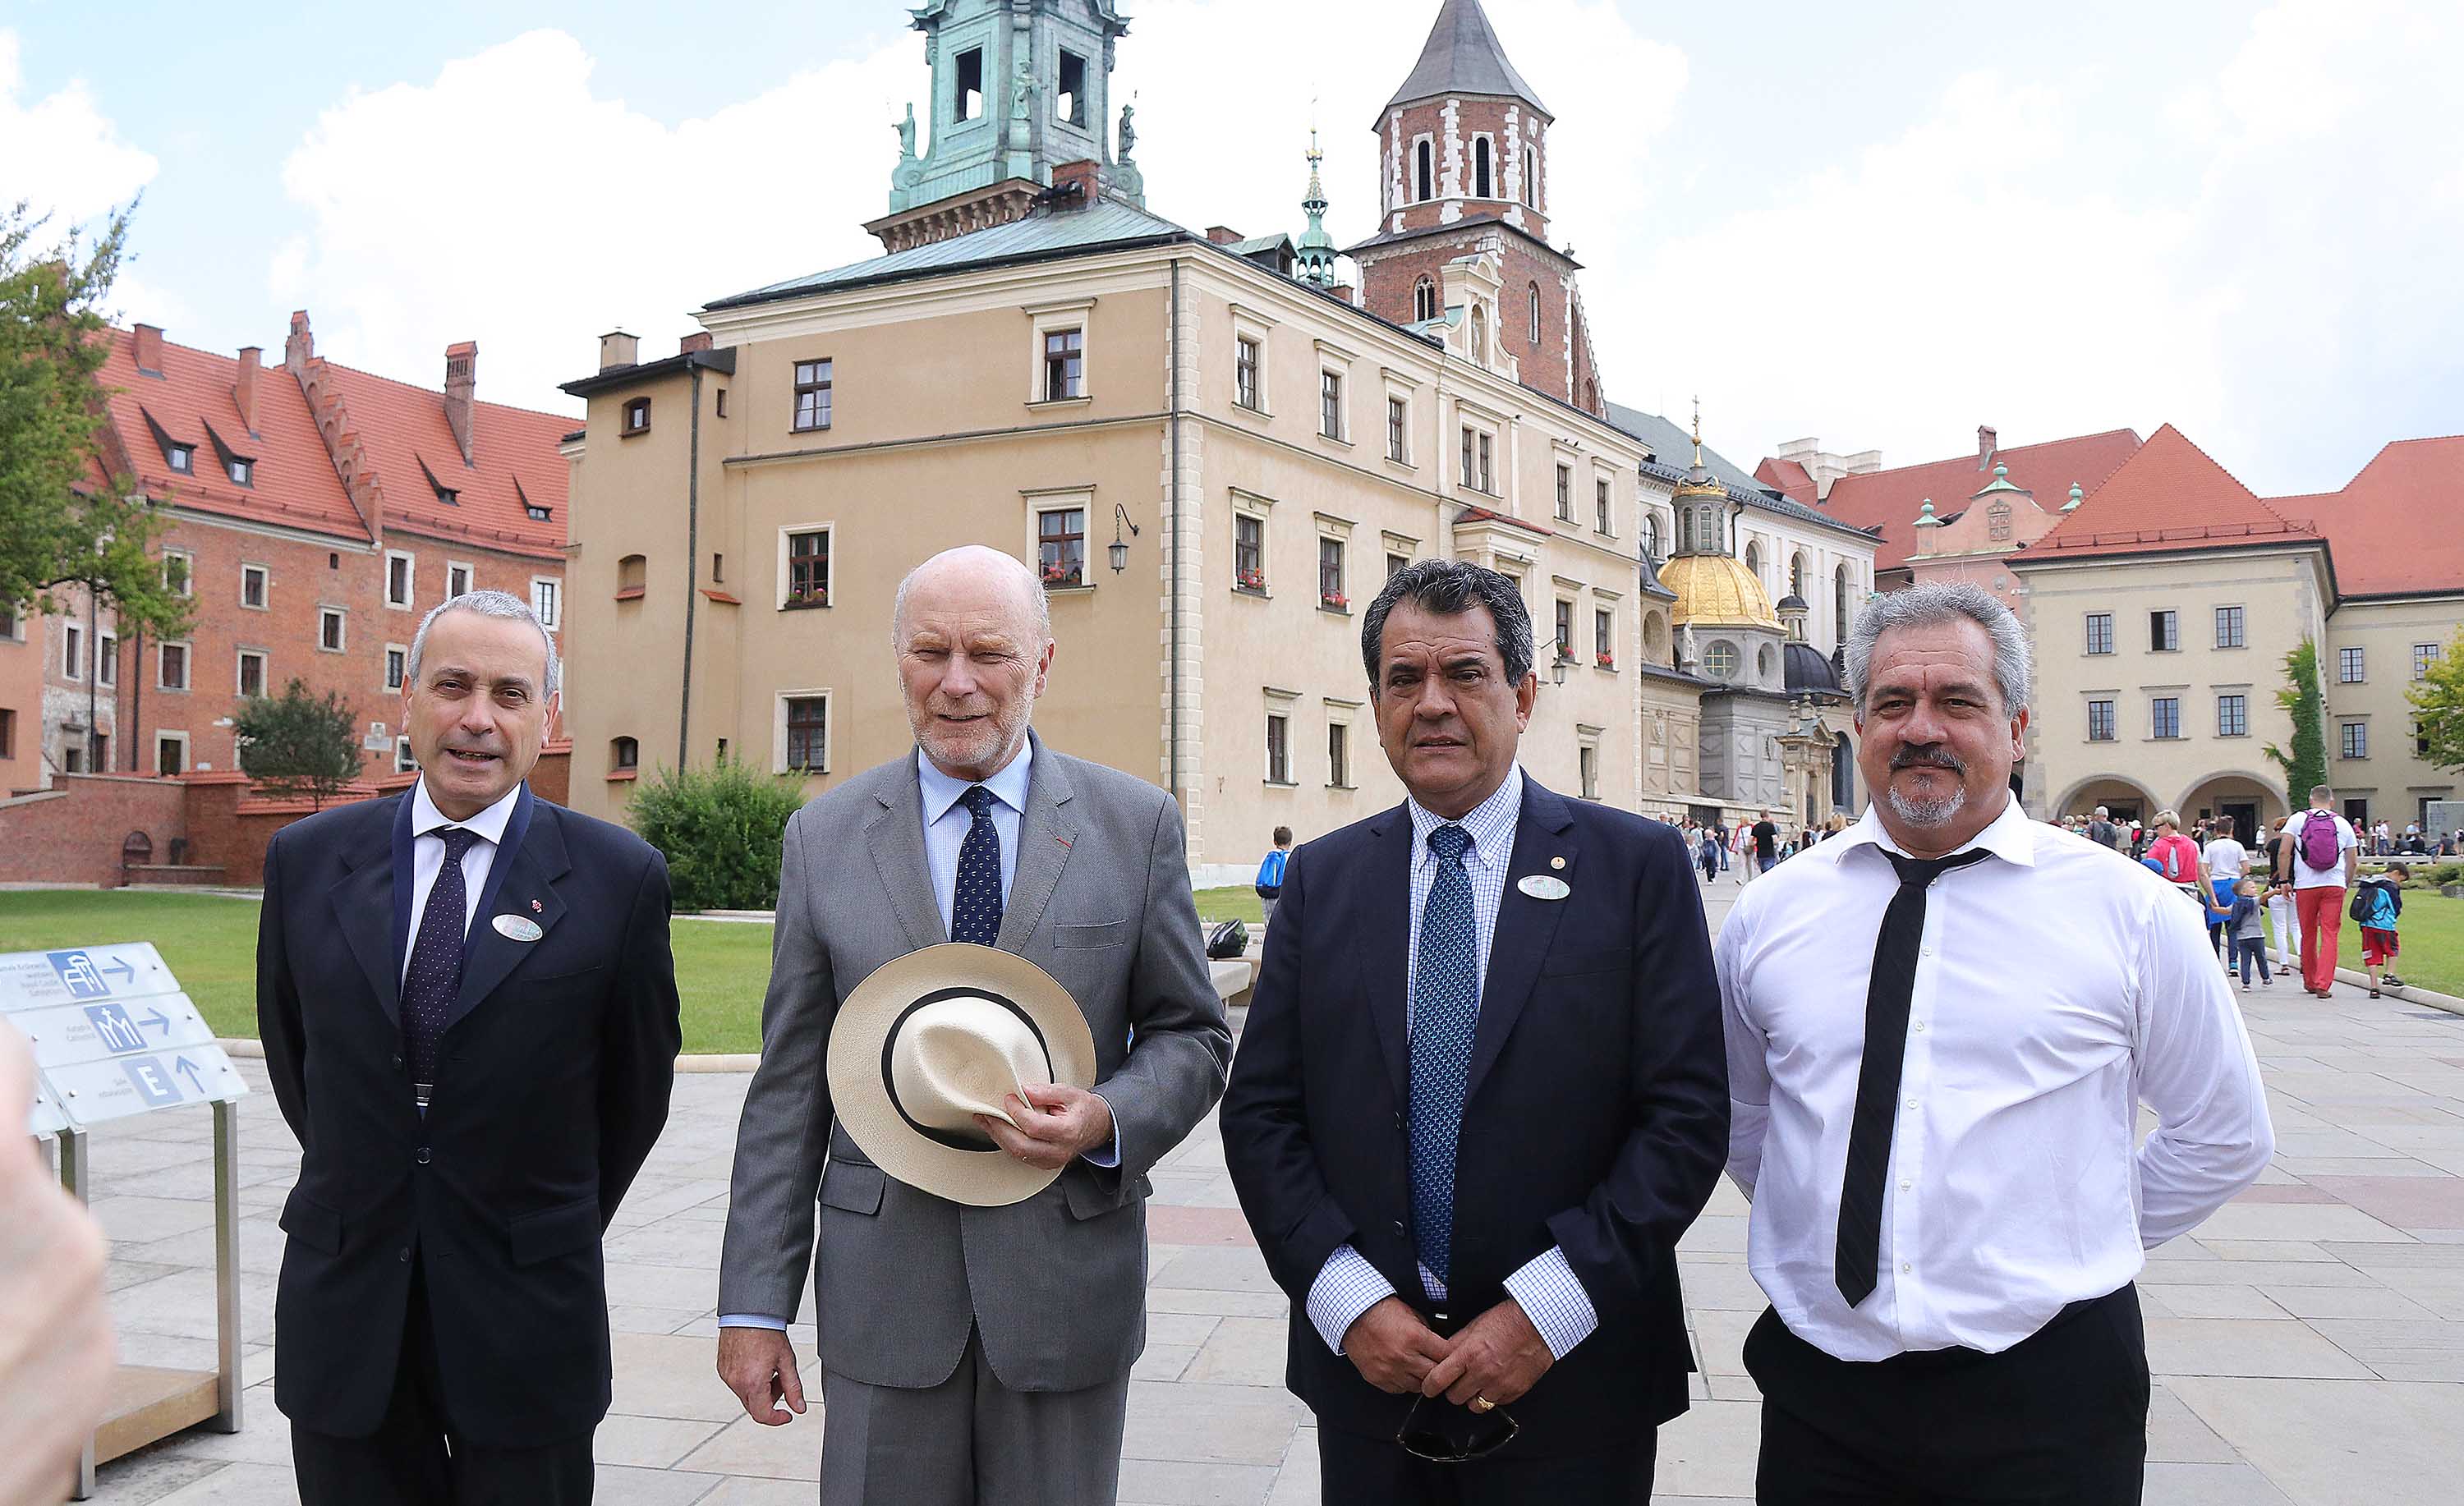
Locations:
(2308, 1341)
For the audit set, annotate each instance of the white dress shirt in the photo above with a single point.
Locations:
(947, 822)
(2057, 989)
(1546, 1286)
(427, 855)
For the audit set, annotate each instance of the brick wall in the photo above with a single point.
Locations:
(1388, 276)
(71, 833)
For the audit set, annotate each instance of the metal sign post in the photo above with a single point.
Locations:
(114, 1037)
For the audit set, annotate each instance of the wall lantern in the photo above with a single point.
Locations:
(1118, 549)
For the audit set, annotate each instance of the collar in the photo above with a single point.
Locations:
(2009, 836)
(940, 791)
(1491, 822)
(490, 824)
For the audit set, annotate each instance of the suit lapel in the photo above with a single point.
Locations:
(1045, 835)
(366, 910)
(896, 838)
(1387, 957)
(526, 870)
(1543, 832)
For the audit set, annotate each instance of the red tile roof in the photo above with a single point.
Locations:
(1890, 499)
(2398, 527)
(411, 447)
(2169, 495)
(293, 482)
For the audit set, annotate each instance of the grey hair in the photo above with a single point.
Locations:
(1445, 587)
(502, 604)
(1929, 605)
(1042, 598)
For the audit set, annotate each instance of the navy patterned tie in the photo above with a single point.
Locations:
(1445, 1009)
(434, 978)
(976, 902)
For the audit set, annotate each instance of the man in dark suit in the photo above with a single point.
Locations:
(470, 1016)
(1480, 1096)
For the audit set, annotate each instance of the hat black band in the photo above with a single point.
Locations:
(955, 1139)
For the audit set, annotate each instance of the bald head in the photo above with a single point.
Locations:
(982, 579)
(973, 636)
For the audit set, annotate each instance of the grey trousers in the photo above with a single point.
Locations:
(970, 1441)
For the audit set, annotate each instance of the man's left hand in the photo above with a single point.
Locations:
(1499, 1357)
(1055, 1125)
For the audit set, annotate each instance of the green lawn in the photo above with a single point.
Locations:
(1238, 901)
(209, 943)
(2432, 933)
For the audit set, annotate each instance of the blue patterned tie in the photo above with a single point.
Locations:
(975, 902)
(1445, 1009)
(434, 978)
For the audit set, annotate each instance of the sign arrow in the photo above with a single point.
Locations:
(127, 972)
(159, 1020)
(197, 1083)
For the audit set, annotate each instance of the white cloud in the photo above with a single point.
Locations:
(63, 155)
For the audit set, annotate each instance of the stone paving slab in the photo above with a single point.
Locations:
(2308, 1341)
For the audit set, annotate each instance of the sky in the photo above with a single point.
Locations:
(1878, 225)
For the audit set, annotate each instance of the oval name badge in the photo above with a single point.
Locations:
(521, 927)
(1541, 886)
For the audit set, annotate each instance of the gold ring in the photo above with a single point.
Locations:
(1481, 1404)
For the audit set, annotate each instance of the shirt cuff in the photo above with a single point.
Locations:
(1346, 1287)
(1111, 1155)
(1554, 1302)
(751, 1320)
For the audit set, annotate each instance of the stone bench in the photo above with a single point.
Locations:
(200, 874)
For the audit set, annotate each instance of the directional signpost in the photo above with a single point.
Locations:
(114, 1037)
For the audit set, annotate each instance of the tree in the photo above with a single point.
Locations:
(2305, 766)
(68, 513)
(720, 830)
(2438, 702)
(296, 744)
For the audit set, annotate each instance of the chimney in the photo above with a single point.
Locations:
(244, 389)
(1082, 173)
(1985, 443)
(699, 340)
(461, 378)
(616, 348)
(1223, 234)
(300, 348)
(148, 349)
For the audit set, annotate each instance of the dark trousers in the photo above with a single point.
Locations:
(2058, 1419)
(1355, 1471)
(414, 1457)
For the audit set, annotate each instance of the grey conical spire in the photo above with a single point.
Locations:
(1463, 57)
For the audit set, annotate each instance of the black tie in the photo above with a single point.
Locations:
(1856, 1261)
(433, 979)
(976, 898)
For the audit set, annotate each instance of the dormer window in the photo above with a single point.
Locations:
(536, 514)
(448, 496)
(241, 470)
(181, 458)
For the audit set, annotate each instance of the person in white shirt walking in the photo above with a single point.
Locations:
(2227, 861)
(2326, 855)
(1953, 1314)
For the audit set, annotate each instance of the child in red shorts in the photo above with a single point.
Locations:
(2377, 900)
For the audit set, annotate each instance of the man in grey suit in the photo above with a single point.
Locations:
(970, 1354)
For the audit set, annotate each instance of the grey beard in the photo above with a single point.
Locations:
(1937, 812)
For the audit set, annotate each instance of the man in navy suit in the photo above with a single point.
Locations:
(470, 1016)
(1481, 1094)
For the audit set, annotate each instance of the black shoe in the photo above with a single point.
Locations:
(2392, 980)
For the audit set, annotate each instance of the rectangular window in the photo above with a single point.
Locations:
(1244, 372)
(71, 651)
(1073, 89)
(2351, 668)
(1487, 480)
(73, 759)
(1564, 626)
(2167, 716)
(102, 752)
(1338, 755)
(1604, 640)
(1601, 507)
(544, 594)
(251, 586)
(637, 416)
(809, 727)
(1476, 453)
(968, 103)
(180, 456)
(1330, 572)
(252, 672)
(1591, 771)
(170, 754)
(8, 627)
(2229, 627)
(1467, 458)
(397, 666)
(2420, 750)
(812, 395)
(403, 762)
(401, 576)
(2099, 632)
(171, 666)
(2424, 656)
(1248, 552)
(1061, 546)
(241, 470)
(1330, 403)
(8, 733)
(2100, 721)
(1565, 494)
(1398, 416)
(1279, 750)
(106, 660)
(1397, 564)
(1065, 364)
(718, 409)
(457, 580)
(329, 630)
(2355, 740)
(2232, 716)
(180, 572)
(2164, 632)
(808, 568)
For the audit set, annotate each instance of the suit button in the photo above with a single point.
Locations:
(420, 1155)
(397, 1063)
(404, 1256)
(1398, 1124)
(1399, 1229)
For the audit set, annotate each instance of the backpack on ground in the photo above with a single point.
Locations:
(1229, 940)
(2320, 848)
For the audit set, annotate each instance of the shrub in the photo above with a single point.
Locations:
(2448, 873)
(719, 829)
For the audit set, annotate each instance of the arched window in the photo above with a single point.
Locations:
(1531, 176)
(1479, 167)
(1839, 592)
(1536, 313)
(1754, 560)
(1423, 179)
(1707, 532)
(1843, 771)
(1424, 300)
(623, 754)
(1797, 574)
(1651, 536)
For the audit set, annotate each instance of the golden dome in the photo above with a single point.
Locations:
(1716, 590)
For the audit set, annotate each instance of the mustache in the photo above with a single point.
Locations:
(1928, 755)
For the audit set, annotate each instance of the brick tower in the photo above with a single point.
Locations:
(1464, 159)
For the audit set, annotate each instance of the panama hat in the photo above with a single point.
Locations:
(939, 1035)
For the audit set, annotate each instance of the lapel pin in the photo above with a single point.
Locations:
(517, 927)
(536, 906)
(1541, 886)
(1557, 862)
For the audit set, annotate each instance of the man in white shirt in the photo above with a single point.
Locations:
(1948, 1210)
(2227, 859)
(2318, 888)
